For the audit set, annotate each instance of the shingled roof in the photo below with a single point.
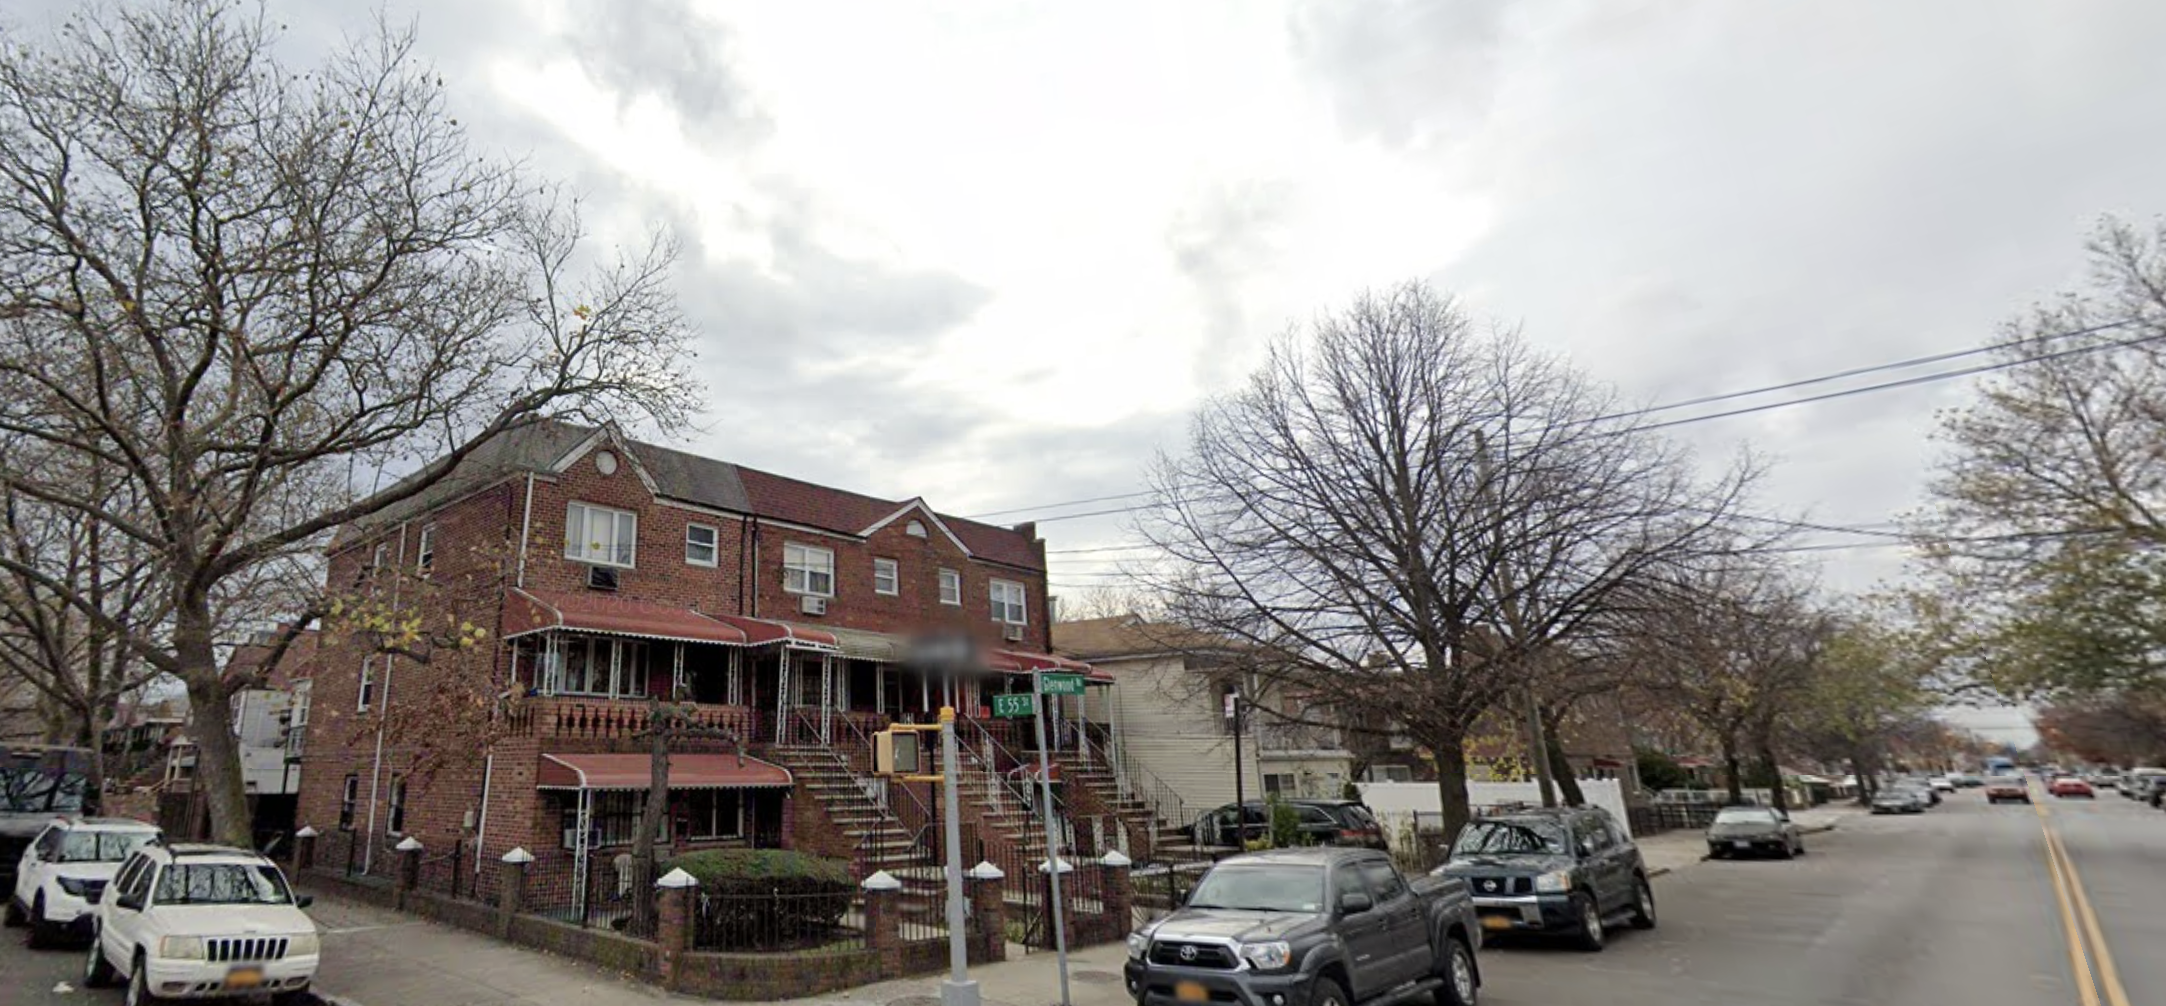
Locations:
(539, 446)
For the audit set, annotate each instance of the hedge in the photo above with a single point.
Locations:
(766, 898)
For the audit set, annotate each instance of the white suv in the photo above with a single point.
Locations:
(64, 871)
(199, 921)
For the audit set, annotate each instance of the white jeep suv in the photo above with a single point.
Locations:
(201, 921)
(65, 870)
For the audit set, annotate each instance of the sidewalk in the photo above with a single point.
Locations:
(377, 957)
(1673, 850)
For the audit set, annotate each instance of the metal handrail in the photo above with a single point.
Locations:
(1153, 791)
(1026, 797)
(925, 814)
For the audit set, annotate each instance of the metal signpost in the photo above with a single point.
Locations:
(1042, 685)
(949, 655)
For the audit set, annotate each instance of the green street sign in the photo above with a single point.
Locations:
(1014, 707)
(1060, 684)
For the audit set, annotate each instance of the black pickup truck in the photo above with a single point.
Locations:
(1310, 927)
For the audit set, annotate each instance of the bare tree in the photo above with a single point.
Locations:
(248, 289)
(1409, 511)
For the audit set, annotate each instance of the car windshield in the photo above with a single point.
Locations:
(1278, 887)
(1746, 815)
(1511, 838)
(222, 884)
(101, 846)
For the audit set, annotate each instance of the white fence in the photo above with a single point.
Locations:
(1398, 803)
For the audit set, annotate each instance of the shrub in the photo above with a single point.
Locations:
(765, 898)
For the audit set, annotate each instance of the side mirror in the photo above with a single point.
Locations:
(1355, 903)
(304, 900)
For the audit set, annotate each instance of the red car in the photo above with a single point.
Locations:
(2069, 785)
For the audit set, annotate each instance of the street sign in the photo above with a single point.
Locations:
(1014, 707)
(1060, 684)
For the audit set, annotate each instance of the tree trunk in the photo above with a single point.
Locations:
(1560, 766)
(660, 719)
(1776, 790)
(1448, 747)
(218, 758)
(1865, 789)
(1732, 769)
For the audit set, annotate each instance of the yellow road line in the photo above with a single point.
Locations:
(2076, 956)
(2109, 976)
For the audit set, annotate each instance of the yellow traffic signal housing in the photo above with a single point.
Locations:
(897, 752)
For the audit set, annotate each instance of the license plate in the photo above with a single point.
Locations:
(1496, 922)
(1742, 844)
(244, 978)
(1191, 992)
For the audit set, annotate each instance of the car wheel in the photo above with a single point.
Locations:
(1460, 986)
(294, 997)
(97, 971)
(139, 993)
(1329, 992)
(13, 917)
(1786, 852)
(42, 932)
(1591, 936)
(1801, 846)
(1716, 852)
(1643, 904)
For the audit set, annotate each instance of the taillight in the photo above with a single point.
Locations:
(1352, 835)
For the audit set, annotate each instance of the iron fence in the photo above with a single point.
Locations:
(775, 921)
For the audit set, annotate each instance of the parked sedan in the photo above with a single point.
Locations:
(2007, 787)
(1744, 831)
(1898, 801)
(2068, 785)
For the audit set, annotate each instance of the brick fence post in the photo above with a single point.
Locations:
(511, 888)
(883, 921)
(1120, 896)
(409, 876)
(304, 849)
(1065, 904)
(673, 931)
(988, 914)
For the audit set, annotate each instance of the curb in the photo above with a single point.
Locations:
(1818, 829)
(1660, 871)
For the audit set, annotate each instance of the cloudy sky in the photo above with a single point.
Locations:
(992, 253)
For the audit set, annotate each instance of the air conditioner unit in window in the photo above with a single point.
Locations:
(571, 838)
(812, 605)
(601, 578)
(1012, 633)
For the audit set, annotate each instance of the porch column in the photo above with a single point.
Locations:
(676, 674)
(827, 698)
(737, 676)
(782, 697)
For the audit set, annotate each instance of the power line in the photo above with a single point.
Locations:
(1746, 393)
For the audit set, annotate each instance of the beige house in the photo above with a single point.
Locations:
(1171, 731)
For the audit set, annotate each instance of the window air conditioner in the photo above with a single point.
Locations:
(571, 838)
(601, 578)
(1012, 633)
(811, 605)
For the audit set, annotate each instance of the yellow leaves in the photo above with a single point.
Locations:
(583, 312)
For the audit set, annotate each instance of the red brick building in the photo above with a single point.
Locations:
(603, 572)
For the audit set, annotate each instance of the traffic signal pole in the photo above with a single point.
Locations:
(1052, 847)
(958, 990)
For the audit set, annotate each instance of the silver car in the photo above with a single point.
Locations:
(1754, 831)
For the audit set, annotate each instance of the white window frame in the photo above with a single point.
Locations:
(623, 554)
(425, 551)
(395, 806)
(713, 545)
(890, 571)
(951, 587)
(1020, 603)
(365, 696)
(800, 559)
(349, 801)
(609, 668)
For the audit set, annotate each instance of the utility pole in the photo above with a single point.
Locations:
(1240, 796)
(1537, 738)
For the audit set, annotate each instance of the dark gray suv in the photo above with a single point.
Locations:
(1553, 871)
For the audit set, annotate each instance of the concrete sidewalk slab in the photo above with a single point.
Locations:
(377, 957)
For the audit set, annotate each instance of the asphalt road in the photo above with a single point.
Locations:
(1958, 905)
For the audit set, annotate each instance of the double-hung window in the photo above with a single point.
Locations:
(808, 570)
(425, 552)
(398, 806)
(699, 545)
(951, 587)
(600, 535)
(1008, 607)
(368, 684)
(347, 798)
(886, 577)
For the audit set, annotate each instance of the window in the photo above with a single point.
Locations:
(383, 554)
(713, 813)
(1276, 782)
(346, 799)
(600, 535)
(425, 554)
(951, 587)
(297, 725)
(1384, 882)
(915, 529)
(368, 684)
(616, 818)
(699, 545)
(886, 577)
(588, 665)
(1008, 603)
(808, 570)
(398, 806)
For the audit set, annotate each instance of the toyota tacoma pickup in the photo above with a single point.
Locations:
(1310, 927)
